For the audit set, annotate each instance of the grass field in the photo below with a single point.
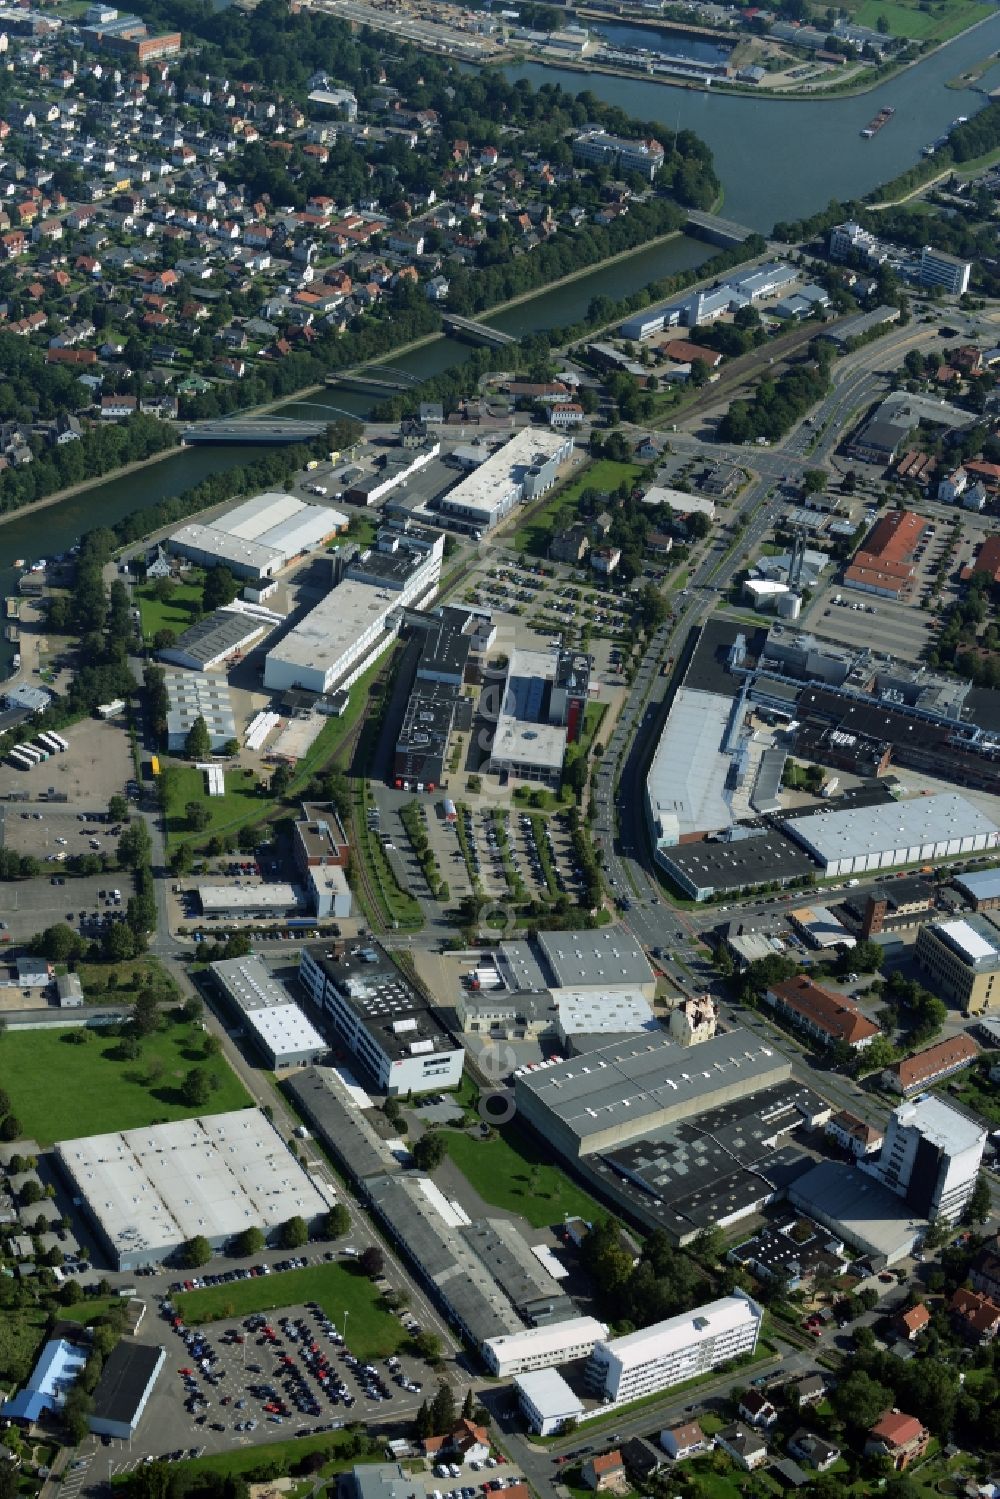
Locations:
(22, 1332)
(602, 475)
(177, 614)
(938, 22)
(276, 1457)
(59, 1090)
(337, 1289)
(514, 1172)
(973, 1090)
(183, 784)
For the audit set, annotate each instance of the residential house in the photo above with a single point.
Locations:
(975, 1316)
(899, 1437)
(117, 408)
(680, 1442)
(812, 1450)
(605, 560)
(911, 1323)
(747, 1449)
(757, 1409)
(808, 1391)
(605, 1473)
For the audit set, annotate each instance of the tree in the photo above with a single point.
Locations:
(337, 1222)
(468, 1405)
(59, 943)
(75, 1412)
(443, 1413)
(118, 808)
(135, 845)
(250, 1242)
(144, 1017)
(814, 480)
(220, 588)
(864, 957)
(427, 1345)
(422, 1421)
(859, 1400)
(196, 814)
(979, 1205)
(197, 1251)
(294, 1233)
(198, 744)
(30, 1193)
(372, 1262)
(196, 1089)
(430, 1150)
(193, 1010)
(10, 1128)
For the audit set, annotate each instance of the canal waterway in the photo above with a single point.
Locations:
(776, 159)
(670, 43)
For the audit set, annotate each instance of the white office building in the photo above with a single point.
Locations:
(382, 1019)
(598, 148)
(671, 1352)
(931, 1156)
(524, 468)
(542, 1347)
(547, 1401)
(940, 269)
(338, 640)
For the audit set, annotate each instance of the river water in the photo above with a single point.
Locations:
(670, 43)
(776, 159)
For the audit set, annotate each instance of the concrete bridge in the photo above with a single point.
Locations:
(268, 429)
(717, 231)
(477, 332)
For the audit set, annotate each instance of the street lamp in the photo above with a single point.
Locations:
(346, 1315)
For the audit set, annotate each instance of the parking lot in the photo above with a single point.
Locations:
(261, 1378)
(95, 767)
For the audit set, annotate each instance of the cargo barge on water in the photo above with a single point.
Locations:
(883, 117)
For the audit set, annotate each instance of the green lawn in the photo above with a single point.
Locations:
(22, 1332)
(937, 22)
(336, 1287)
(181, 784)
(177, 614)
(973, 1090)
(280, 1457)
(513, 1171)
(59, 1090)
(602, 475)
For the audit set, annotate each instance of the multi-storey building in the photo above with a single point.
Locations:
(939, 269)
(931, 1156)
(598, 148)
(670, 1352)
(961, 960)
(381, 1019)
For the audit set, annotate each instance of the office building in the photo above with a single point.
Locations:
(268, 902)
(916, 831)
(381, 1018)
(530, 736)
(257, 539)
(948, 271)
(884, 563)
(148, 1191)
(124, 1388)
(279, 1028)
(672, 1352)
(542, 1347)
(925, 1068)
(931, 1157)
(328, 893)
(191, 696)
(961, 962)
(598, 148)
(318, 839)
(522, 469)
(832, 1019)
(438, 656)
(620, 1092)
(342, 1117)
(981, 888)
(340, 638)
(547, 1401)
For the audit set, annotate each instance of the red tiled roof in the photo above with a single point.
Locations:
(897, 1429)
(836, 1015)
(934, 1060)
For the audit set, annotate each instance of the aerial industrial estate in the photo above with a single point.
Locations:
(500, 858)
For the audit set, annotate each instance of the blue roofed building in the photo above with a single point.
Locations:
(57, 1370)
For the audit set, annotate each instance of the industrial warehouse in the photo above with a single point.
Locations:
(522, 469)
(258, 538)
(359, 618)
(895, 832)
(279, 1028)
(148, 1191)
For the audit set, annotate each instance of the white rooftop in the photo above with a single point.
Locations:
(488, 488)
(523, 743)
(329, 630)
(548, 1393)
(676, 1333)
(277, 897)
(166, 1183)
(891, 825)
(679, 500)
(550, 1341)
(970, 940)
(686, 781)
(940, 1124)
(588, 1012)
(285, 1031)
